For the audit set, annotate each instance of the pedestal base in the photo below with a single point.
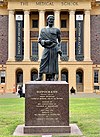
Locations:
(46, 129)
(74, 130)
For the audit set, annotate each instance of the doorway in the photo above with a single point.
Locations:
(64, 75)
(34, 74)
(79, 80)
(19, 78)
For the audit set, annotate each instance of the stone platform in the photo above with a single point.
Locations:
(19, 131)
(47, 109)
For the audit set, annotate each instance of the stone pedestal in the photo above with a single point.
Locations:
(46, 107)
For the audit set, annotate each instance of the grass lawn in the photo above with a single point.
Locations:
(85, 112)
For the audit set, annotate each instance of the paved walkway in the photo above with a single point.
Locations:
(77, 95)
(85, 95)
(8, 95)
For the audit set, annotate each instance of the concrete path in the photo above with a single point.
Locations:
(85, 95)
(8, 95)
(77, 95)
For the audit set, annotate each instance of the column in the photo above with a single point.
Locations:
(71, 35)
(88, 79)
(41, 25)
(57, 22)
(57, 18)
(72, 77)
(87, 36)
(26, 36)
(11, 36)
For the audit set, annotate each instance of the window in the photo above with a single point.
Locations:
(34, 75)
(2, 77)
(19, 76)
(96, 87)
(96, 74)
(34, 56)
(23, 49)
(34, 23)
(79, 77)
(64, 48)
(63, 24)
(64, 76)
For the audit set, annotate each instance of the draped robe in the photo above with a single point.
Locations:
(49, 60)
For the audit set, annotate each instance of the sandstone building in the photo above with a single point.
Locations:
(20, 54)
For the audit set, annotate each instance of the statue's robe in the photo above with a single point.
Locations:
(49, 60)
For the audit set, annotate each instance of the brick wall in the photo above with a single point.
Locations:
(95, 38)
(3, 38)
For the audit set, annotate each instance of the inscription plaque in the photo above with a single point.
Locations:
(46, 106)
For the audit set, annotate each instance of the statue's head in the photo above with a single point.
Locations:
(50, 20)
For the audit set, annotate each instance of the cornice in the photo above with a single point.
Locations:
(4, 3)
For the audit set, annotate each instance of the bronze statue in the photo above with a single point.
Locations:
(50, 38)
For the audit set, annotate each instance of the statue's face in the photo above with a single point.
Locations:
(51, 21)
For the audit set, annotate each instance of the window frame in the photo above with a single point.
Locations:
(2, 76)
(96, 76)
(64, 76)
(37, 23)
(34, 55)
(65, 23)
(67, 47)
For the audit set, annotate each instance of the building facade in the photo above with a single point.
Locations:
(20, 53)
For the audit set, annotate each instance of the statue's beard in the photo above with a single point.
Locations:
(51, 24)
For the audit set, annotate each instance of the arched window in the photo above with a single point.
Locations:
(79, 80)
(64, 75)
(19, 76)
(79, 76)
(34, 74)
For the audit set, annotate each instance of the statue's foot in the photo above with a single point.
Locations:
(52, 79)
(56, 77)
(39, 79)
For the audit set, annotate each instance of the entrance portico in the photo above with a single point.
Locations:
(42, 8)
(66, 12)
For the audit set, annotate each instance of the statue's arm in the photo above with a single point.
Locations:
(44, 42)
(59, 40)
(43, 39)
(59, 35)
(40, 40)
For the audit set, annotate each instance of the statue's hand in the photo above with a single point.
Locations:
(60, 52)
(39, 40)
(48, 42)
